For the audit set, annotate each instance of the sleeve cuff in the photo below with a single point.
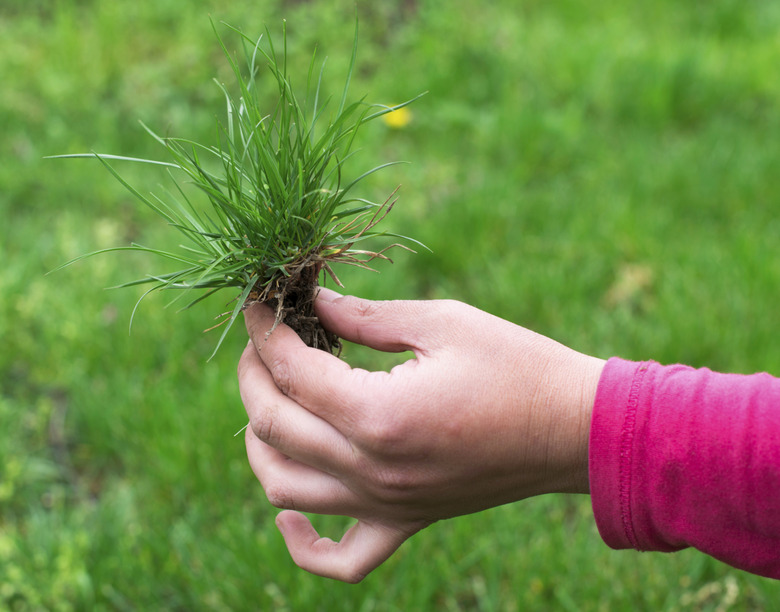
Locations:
(610, 450)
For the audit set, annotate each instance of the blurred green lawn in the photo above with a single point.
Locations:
(603, 172)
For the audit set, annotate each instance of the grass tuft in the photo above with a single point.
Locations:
(281, 210)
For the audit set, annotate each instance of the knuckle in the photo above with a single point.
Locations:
(280, 496)
(385, 437)
(364, 308)
(387, 429)
(353, 573)
(396, 483)
(396, 486)
(263, 425)
(368, 312)
(283, 373)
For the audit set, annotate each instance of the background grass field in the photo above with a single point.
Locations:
(603, 172)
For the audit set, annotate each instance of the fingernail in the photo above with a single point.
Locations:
(328, 295)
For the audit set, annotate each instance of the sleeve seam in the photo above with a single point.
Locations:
(626, 455)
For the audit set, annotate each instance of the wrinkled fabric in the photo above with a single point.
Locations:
(681, 457)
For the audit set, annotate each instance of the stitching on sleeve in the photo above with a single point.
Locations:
(626, 454)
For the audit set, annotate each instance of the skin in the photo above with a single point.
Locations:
(486, 413)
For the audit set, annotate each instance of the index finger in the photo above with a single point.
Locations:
(320, 382)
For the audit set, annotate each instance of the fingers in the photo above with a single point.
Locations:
(303, 404)
(318, 381)
(362, 548)
(290, 484)
(283, 423)
(386, 326)
(262, 328)
(290, 361)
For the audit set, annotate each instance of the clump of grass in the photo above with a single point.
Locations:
(281, 210)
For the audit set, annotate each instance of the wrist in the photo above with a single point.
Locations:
(569, 392)
(583, 401)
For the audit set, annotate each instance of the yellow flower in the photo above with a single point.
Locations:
(398, 118)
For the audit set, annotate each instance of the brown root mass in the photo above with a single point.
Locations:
(292, 299)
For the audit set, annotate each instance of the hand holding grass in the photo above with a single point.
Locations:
(487, 413)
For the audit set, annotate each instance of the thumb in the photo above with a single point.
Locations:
(390, 326)
(362, 548)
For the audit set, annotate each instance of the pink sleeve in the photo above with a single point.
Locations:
(682, 457)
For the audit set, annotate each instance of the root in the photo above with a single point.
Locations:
(292, 299)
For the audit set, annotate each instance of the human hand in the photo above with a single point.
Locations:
(486, 413)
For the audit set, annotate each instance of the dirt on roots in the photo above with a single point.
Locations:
(292, 299)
